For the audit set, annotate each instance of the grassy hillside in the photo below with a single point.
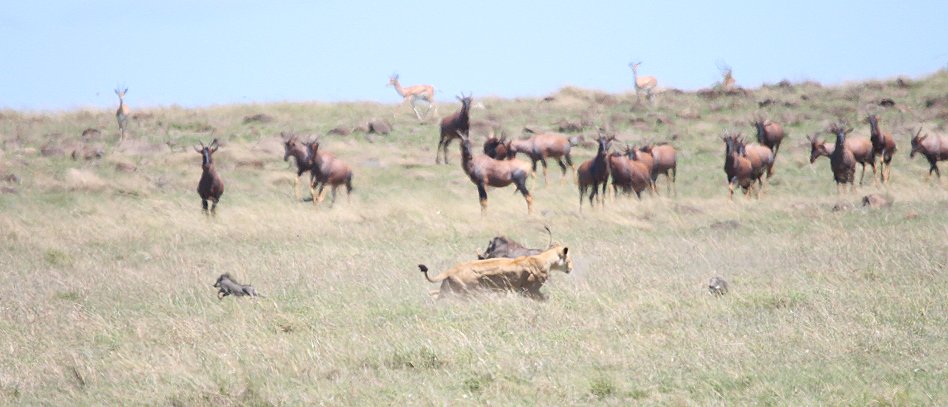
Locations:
(107, 263)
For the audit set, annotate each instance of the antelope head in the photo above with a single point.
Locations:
(917, 142)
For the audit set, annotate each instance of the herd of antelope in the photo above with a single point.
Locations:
(632, 169)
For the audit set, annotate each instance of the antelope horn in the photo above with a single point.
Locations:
(550, 233)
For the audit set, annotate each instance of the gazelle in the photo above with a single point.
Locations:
(727, 79)
(121, 115)
(413, 93)
(646, 83)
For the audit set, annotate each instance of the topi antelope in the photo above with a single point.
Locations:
(413, 93)
(327, 169)
(595, 172)
(737, 167)
(488, 172)
(934, 148)
(643, 83)
(882, 145)
(210, 187)
(842, 160)
(457, 125)
(769, 133)
(860, 147)
(292, 147)
(539, 147)
(121, 115)
(663, 159)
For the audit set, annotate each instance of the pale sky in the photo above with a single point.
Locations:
(57, 55)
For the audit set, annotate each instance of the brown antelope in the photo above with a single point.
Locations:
(327, 169)
(934, 148)
(539, 147)
(595, 172)
(629, 174)
(210, 187)
(121, 115)
(727, 79)
(860, 147)
(663, 159)
(487, 172)
(737, 167)
(761, 159)
(498, 148)
(646, 83)
(292, 147)
(883, 145)
(413, 93)
(457, 125)
(769, 133)
(842, 160)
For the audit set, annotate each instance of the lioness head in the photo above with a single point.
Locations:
(564, 262)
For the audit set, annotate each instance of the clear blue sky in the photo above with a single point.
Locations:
(68, 54)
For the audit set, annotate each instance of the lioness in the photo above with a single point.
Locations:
(524, 275)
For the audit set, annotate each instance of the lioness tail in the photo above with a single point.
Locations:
(424, 269)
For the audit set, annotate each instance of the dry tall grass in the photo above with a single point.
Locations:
(106, 297)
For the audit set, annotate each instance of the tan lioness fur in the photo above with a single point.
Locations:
(524, 275)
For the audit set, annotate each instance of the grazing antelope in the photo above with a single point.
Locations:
(934, 148)
(327, 169)
(292, 147)
(842, 160)
(646, 83)
(737, 167)
(769, 133)
(595, 172)
(539, 147)
(457, 125)
(210, 187)
(412, 94)
(883, 144)
(663, 159)
(121, 115)
(488, 172)
(860, 147)
(629, 174)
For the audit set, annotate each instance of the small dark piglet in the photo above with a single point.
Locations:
(226, 285)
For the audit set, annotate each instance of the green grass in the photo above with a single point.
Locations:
(106, 297)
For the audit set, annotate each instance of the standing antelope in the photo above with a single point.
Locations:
(595, 172)
(727, 79)
(737, 167)
(539, 147)
(411, 94)
(646, 83)
(629, 173)
(860, 147)
(769, 133)
(457, 125)
(842, 160)
(210, 187)
(121, 115)
(662, 158)
(327, 169)
(883, 145)
(934, 148)
(488, 172)
(292, 147)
